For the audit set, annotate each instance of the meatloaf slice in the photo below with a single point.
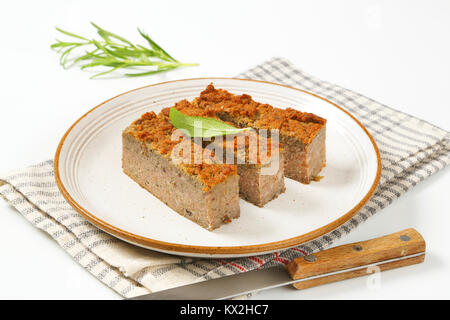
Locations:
(302, 134)
(261, 174)
(206, 193)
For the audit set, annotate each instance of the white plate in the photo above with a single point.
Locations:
(89, 174)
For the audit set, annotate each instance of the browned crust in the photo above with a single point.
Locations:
(302, 125)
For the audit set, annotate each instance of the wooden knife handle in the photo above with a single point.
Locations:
(350, 256)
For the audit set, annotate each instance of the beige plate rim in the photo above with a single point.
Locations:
(206, 250)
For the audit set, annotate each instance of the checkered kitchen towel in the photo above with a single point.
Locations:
(411, 150)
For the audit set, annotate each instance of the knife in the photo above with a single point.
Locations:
(395, 250)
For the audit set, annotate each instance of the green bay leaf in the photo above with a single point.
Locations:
(200, 127)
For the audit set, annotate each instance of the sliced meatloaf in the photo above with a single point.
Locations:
(301, 134)
(196, 178)
(206, 193)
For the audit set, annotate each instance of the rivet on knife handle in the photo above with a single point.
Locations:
(392, 249)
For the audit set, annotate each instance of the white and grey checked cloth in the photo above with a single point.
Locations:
(411, 150)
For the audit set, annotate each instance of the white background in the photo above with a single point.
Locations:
(394, 52)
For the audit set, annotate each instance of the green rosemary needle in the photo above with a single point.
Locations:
(114, 52)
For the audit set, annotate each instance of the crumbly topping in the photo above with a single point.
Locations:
(156, 130)
(247, 112)
(193, 110)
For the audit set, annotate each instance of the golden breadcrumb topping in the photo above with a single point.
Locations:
(247, 112)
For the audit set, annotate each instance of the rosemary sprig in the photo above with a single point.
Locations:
(114, 52)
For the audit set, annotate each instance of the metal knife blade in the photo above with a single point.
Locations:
(243, 283)
(224, 287)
